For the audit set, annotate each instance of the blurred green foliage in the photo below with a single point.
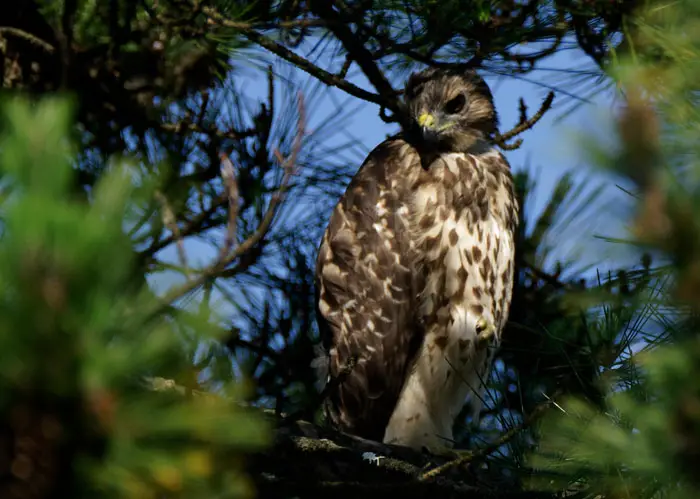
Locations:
(645, 440)
(79, 337)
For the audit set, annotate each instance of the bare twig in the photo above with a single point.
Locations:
(525, 124)
(530, 59)
(193, 226)
(315, 71)
(228, 174)
(182, 126)
(345, 68)
(289, 167)
(522, 109)
(357, 52)
(171, 223)
(538, 273)
(511, 147)
(217, 18)
(28, 37)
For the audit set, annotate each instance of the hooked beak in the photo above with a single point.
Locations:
(431, 126)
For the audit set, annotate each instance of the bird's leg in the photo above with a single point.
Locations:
(485, 331)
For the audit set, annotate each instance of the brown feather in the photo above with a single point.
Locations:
(370, 297)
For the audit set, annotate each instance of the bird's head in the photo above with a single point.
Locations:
(450, 110)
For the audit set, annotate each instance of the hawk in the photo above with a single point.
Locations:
(414, 273)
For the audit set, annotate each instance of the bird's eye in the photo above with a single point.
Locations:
(455, 105)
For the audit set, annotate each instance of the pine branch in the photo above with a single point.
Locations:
(525, 124)
(300, 62)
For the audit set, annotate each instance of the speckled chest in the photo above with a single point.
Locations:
(464, 215)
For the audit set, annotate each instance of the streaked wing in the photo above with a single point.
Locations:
(366, 289)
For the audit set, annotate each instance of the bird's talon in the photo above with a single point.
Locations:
(482, 325)
(485, 331)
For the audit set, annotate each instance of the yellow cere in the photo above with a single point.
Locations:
(426, 120)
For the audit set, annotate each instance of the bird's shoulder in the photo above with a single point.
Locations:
(367, 226)
(389, 157)
(377, 191)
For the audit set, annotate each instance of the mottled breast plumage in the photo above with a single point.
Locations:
(467, 209)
